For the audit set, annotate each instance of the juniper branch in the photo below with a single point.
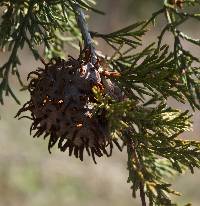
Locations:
(148, 128)
(133, 160)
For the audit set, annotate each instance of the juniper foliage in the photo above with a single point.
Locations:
(148, 128)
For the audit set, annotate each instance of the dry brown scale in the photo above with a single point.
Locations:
(62, 106)
(178, 3)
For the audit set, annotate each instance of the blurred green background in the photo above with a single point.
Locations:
(30, 176)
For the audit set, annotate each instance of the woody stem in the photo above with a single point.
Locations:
(82, 24)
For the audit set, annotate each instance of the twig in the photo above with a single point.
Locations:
(142, 194)
(82, 24)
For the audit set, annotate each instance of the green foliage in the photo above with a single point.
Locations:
(148, 128)
(129, 36)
